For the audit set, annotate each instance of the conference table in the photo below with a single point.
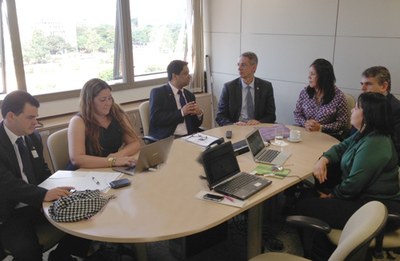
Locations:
(161, 205)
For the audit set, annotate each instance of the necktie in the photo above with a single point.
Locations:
(26, 160)
(188, 122)
(250, 104)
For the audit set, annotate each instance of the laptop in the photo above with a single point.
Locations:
(263, 154)
(224, 176)
(150, 156)
(240, 147)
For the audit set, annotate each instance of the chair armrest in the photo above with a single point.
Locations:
(149, 139)
(309, 222)
(394, 216)
(201, 129)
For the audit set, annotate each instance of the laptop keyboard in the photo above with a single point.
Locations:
(269, 155)
(237, 183)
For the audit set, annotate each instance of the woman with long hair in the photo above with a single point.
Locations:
(322, 106)
(100, 135)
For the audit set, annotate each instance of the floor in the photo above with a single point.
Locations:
(231, 249)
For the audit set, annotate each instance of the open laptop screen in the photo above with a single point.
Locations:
(220, 163)
(255, 141)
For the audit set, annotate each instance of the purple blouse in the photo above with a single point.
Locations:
(333, 116)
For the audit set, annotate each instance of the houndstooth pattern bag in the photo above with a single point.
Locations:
(77, 206)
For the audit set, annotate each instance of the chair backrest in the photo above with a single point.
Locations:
(351, 103)
(57, 144)
(145, 117)
(359, 231)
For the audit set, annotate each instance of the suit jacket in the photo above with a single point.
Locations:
(395, 106)
(164, 114)
(230, 102)
(13, 189)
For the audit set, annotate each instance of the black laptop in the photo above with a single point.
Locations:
(224, 175)
(240, 147)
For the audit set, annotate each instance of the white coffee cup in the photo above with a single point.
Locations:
(295, 135)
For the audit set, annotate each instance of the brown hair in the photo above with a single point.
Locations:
(90, 90)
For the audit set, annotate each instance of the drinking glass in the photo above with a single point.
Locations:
(279, 137)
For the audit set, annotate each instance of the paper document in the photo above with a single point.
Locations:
(268, 133)
(81, 180)
(200, 139)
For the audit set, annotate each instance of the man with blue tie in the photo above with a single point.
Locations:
(247, 100)
(22, 168)
(173, 109)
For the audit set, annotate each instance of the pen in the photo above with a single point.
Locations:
(95, 181)
(229, 198)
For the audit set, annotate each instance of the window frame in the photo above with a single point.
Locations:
(130, 81)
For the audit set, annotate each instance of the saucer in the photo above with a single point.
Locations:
(294, 141)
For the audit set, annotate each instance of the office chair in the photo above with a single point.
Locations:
(387, 241)
(144, 112)
(383, 242)
(354, 240)
(351, 103)
(48, 236)
(57, 144)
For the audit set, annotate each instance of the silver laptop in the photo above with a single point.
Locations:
(150, 156)
(224, 176)
(263, 154)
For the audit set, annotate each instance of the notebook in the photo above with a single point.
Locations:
(224, 176)
(262, 154)
(150, 156)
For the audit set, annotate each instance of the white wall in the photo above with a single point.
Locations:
(288, 35)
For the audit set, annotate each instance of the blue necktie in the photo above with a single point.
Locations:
(26, 161)
(250, 104)
(188, 122)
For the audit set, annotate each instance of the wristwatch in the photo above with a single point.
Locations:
(111, 161)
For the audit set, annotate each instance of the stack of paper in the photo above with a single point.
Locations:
(268, 133)
(81, 180)
(200, 139)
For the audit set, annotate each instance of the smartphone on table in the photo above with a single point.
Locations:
(213, 197)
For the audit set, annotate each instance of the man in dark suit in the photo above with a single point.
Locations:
(247, 100)
(377, 79)
(173, 109)
(20, 173)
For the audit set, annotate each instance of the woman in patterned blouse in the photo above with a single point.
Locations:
(321, 105)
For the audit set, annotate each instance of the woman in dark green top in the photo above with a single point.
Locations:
(368, 166)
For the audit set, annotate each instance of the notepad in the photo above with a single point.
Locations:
(266, 170)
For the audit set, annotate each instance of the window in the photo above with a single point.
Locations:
(64, 43)
(158, 34)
